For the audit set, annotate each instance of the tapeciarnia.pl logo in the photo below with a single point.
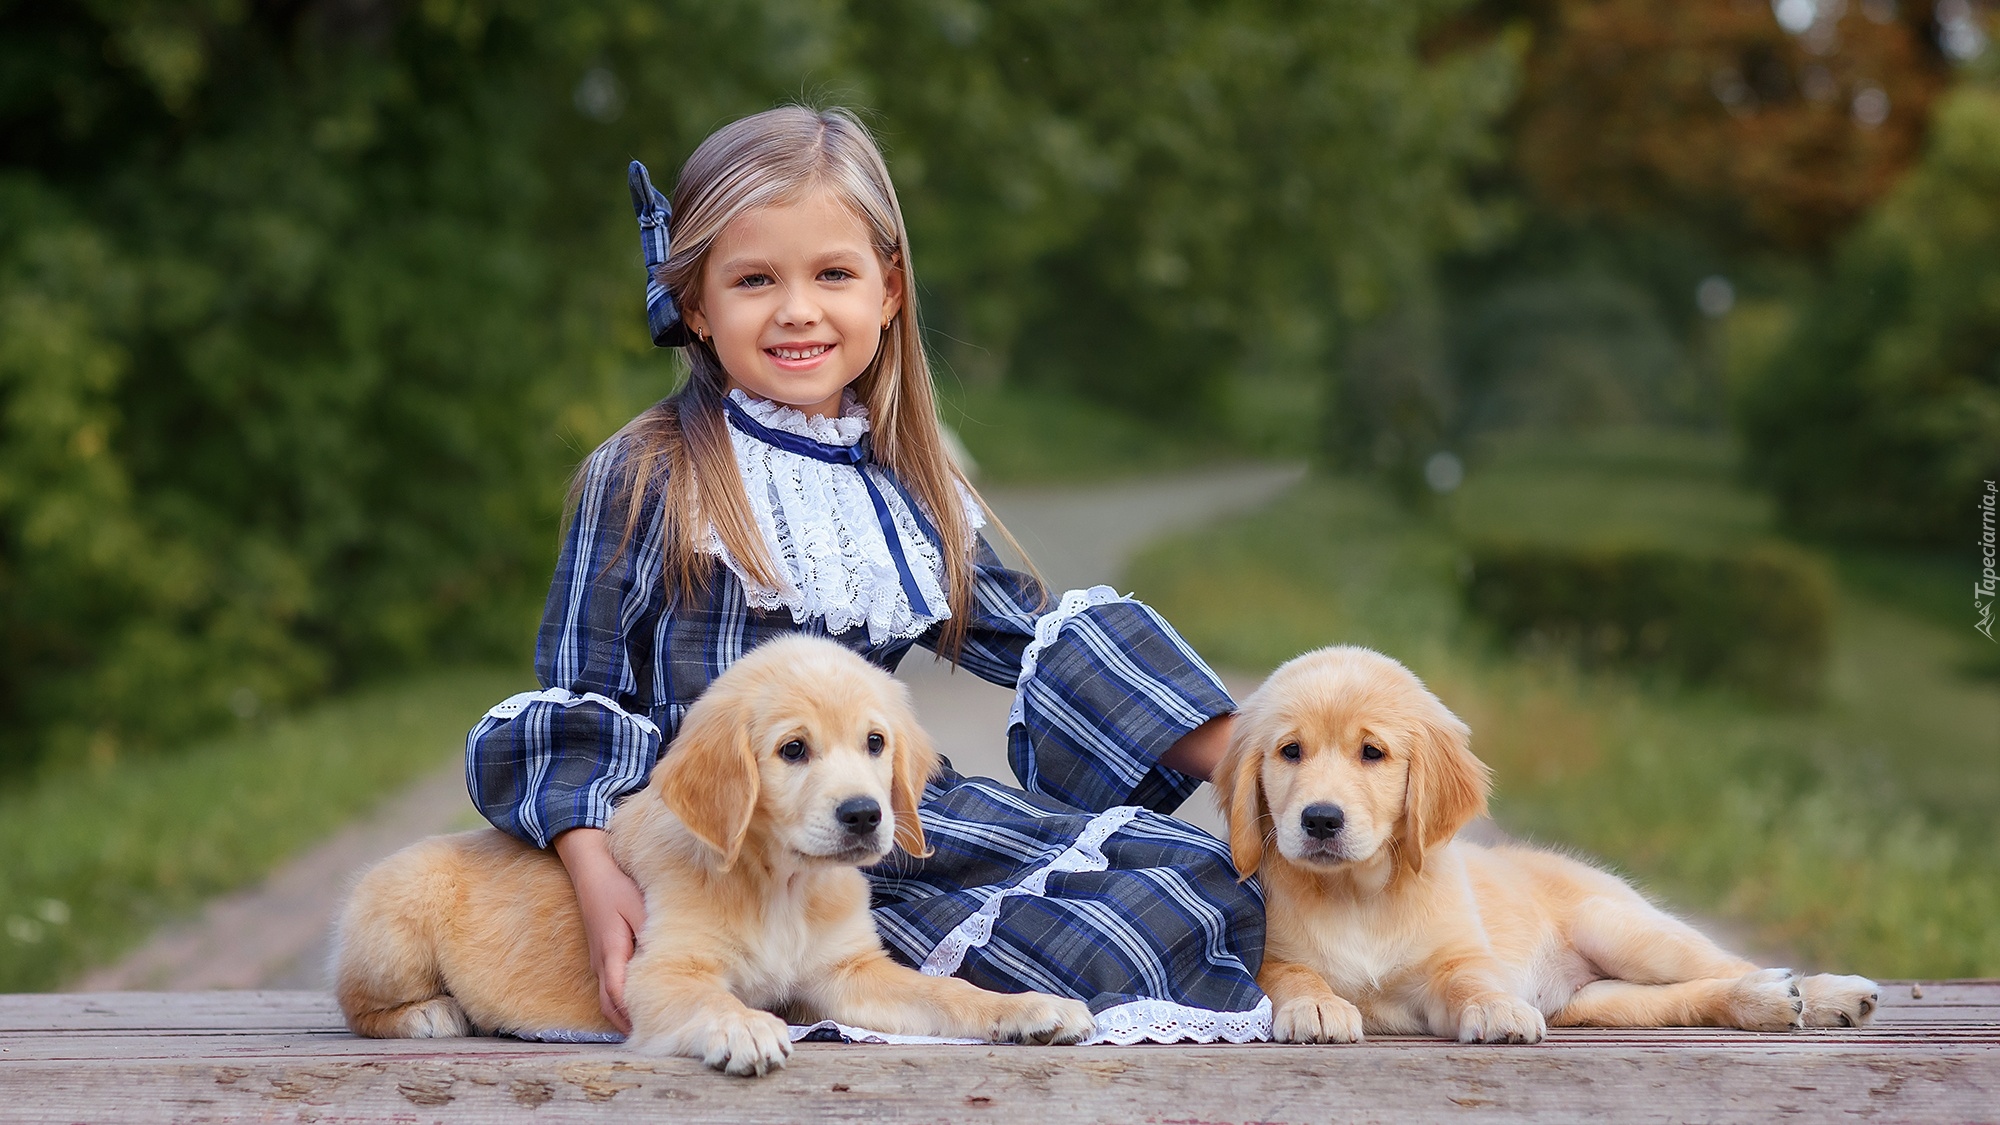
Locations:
(1983, 591)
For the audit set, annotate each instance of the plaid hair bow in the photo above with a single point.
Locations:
(654, 213)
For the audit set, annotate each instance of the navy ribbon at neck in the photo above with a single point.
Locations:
(857, 455)
(796, 443)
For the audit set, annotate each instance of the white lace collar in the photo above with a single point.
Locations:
(820, 528)
(850, 427)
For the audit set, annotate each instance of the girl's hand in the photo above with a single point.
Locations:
(614, 913)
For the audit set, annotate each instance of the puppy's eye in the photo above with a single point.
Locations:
(1290, 751)
(1371, 752)
(875, 743)
(793, 751)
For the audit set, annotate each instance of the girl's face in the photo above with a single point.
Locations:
(795, 298)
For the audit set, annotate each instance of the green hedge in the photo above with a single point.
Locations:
(1756, 619)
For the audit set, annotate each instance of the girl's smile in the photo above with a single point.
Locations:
(798, 358)
(794, 298)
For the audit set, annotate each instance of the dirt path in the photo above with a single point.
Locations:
(275, 934)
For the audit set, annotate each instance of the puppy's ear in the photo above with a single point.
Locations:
(1447, 787)
(1239, 791)
(709, 779)
(916, 761)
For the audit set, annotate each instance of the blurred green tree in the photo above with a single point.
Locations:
(295, 316)
(307, 306)
(1655, 149)
(1880, 417)
(1142, 207)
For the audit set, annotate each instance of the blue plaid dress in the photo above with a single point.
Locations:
(1080, 886)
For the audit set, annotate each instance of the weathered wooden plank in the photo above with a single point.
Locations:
(169, 1011)
(84, 1046)
(235, 1056)
(1957, 1013)
(198, 1025)
(307, 1011)
(1970, 990)
(1048, 1086)
(87, 1047)
(116, 1044)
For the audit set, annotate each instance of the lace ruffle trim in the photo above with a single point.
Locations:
(1163, 1021)
(1140, 1021)
(1047, 627)
(823, 1031)
(1085, 854)
(844, 430)
(821, 530)
(515, 704)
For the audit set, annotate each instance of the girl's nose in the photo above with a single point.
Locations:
(799, 309)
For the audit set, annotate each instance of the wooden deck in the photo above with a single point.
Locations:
(283, 1056)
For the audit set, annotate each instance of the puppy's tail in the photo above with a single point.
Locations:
(387, 975)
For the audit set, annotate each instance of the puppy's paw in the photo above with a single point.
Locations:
(742, 1043)
(1766, 1000)
(437, 1018)
(1328, 1019)
(1837, 1001)
(1040, 1020)
(1500, 1018)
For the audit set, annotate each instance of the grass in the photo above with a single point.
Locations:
(1630, 487)
(96, 860)
(1855, 834)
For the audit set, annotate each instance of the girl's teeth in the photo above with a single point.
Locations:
(798, 353)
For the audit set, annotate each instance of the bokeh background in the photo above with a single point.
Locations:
(1645, 353)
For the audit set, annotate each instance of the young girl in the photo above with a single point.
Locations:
(799, 482)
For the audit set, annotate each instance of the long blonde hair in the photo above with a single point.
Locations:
(768, 159)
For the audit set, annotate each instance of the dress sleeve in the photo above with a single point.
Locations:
(543, 762)
(1103, 687)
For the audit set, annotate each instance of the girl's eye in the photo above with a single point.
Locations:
(1290, 751)
(1371, 752)
(792, 751)
(875, 743)
(754, 281)
(836, 274)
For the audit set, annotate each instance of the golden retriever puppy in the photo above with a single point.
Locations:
(796, 766)
(1345, 784)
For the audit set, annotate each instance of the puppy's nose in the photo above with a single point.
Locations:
(859, 815)
(1322, 821)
